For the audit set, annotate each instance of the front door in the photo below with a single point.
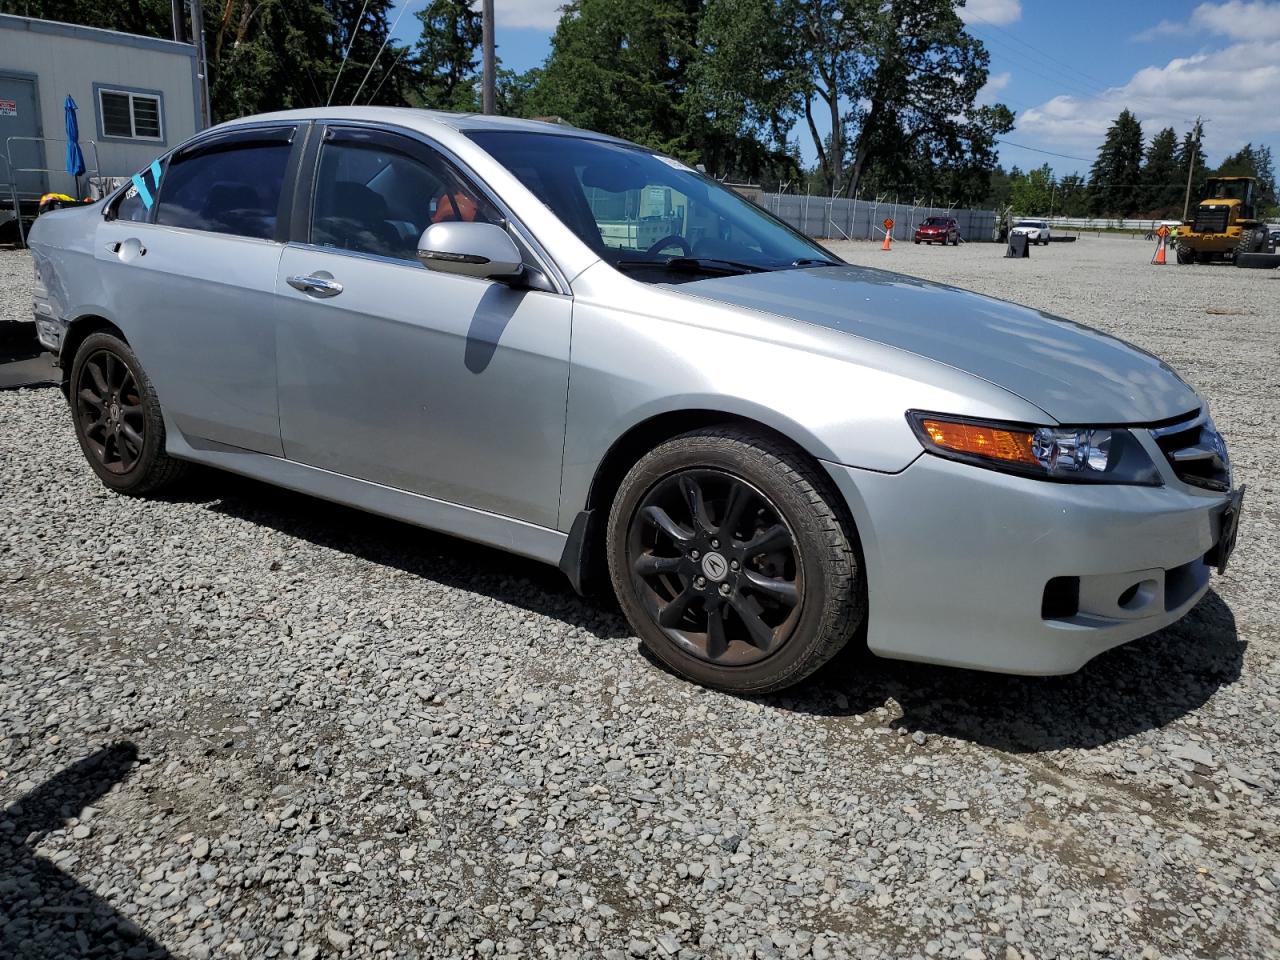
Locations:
(20, 119)
(449, 386)
(190, 265)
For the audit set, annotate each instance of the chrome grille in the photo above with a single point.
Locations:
(1196, 451)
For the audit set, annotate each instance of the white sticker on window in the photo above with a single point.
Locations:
(672, 163)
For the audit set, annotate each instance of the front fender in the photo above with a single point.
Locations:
(840, 398)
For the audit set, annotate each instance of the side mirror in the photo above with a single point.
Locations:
(471, 250)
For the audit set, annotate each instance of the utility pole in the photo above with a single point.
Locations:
(487, 41)
(202, 62)
(1191, 166)
(178, 12)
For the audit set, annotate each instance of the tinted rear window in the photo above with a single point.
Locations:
(232, 189)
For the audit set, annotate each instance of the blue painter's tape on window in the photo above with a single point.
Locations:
(155, 174)
(143, 192)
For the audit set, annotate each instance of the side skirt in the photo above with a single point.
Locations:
(469, 523)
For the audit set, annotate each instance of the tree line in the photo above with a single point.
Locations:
(1132, 178)
(885, 90)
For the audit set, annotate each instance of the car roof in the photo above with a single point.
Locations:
(426, 121)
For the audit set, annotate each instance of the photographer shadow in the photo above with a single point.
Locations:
(47, 913)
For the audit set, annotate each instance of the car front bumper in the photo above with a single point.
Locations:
(958, 560)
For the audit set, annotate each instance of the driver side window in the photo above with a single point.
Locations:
(376, 193)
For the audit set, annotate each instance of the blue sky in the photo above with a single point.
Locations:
(1068, 68)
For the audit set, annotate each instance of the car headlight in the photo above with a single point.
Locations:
(1066, 454)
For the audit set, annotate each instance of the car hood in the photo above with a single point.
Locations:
(1073, 373)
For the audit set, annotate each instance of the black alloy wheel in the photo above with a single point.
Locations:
(109, 410)
(117, 417)
(716, 566)
(735, 560)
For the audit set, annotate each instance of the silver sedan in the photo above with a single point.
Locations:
(584, 352)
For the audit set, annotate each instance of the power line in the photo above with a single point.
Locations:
(1089, 78)
(354, 33)
(1022, 146)
(1030, 65)
(385, 41)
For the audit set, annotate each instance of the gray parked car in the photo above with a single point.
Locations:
(574, 349)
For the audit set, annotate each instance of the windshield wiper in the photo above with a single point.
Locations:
(814, 262)
(709, 265)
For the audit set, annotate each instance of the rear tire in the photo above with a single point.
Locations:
(117, 418)
(1251, 241)
(733, 558)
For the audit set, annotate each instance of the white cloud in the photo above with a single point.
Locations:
(995, 83)
(998, 12)
(541, 14)
(1240, 20)
(1165, 28)
(1236, 104)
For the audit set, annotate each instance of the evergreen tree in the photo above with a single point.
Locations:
(621, 67)
(446, 57)
(1251, 161)
(1115, 175)
(1161, 192)
(1190, 149)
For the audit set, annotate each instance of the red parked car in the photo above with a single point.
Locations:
(941, 230)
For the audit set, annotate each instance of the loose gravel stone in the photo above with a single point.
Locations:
(236, 721)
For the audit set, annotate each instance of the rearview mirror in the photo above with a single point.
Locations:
(471, 250)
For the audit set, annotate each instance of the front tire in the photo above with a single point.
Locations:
(117, 418)
(733, 559)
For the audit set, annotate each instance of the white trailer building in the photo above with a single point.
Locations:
(136, 97)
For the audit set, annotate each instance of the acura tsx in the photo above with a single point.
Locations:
(585, 352)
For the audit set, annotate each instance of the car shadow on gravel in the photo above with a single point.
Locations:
(47, 913)
(440, 558)
(1140, 686)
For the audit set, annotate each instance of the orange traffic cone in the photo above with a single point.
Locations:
(1158, 257)
(887, 240)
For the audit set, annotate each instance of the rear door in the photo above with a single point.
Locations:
(192, 281)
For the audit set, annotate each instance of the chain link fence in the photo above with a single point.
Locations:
(829, 218)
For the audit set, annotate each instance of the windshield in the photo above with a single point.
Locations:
(1227, 189)
(646, 213)
(936, 222)
(1032, 223)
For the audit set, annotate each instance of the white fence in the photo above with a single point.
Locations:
(841, 219)
(1104, 223)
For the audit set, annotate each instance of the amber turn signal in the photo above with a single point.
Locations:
(995, 443)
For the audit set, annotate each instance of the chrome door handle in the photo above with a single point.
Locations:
(317, 286)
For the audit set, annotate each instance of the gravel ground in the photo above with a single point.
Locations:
(241, 722)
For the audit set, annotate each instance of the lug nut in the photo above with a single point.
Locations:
(700, 582)
(693, 554)
(715, 544)
(734, 565)
(724, 589)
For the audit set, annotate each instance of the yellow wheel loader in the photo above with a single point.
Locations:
(1224, 224)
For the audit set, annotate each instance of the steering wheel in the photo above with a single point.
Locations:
(668, 241)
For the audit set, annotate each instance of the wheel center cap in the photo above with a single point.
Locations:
(715, 566)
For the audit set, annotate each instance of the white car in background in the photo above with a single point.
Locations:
(1036, 231)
